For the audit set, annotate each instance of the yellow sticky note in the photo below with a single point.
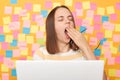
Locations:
(21, 37)
(108, 34)
(101, 58)
(27, 17)
(36, 7)
(113, 50)
(6, 29)
(4, 68)
(42, 28)
(111, 72)
(30, 39)
(86, 5)
(117, 27)
(6, 20)
(17, 10)
(90, 20)
(24, 52)
(29, 57)
(101, 11)
(34, 29)
(8, 38)
(68, 2)
(110, 10)
(56, 4)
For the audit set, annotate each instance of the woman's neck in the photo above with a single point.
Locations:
(63, 47)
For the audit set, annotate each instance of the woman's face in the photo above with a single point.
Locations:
(63, 19)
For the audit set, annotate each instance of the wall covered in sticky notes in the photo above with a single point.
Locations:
(22, 31)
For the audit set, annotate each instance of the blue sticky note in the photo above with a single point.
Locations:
(2, 38)
(13, 72)
(9, 53)
(105, 19)
(97, 52)
(82, 28)
(26, 30)
(13, 1)
(102, 41)
(44, 13)
(14, 43)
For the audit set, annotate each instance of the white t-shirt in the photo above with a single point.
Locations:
(42, 54)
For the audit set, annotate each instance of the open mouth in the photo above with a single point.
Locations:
(66, 33)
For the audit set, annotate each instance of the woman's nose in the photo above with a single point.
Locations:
(67, 21)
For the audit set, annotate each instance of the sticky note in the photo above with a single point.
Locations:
(117, 59)
(17, 10)
(93, 6)
(35, 47)
(118, 5)
(107, 54)
(36, 7)
(6, 20)
(99, 35)
(39, 19)
(22, 45)
(16, 53)
(113, 16)
(15, 34)
(40, 34)
(68, 2)
(102, 41)
(105, 19)
(6, 29)
(24, 52)
(14, 25)
(97, 18)
(116, 37)
(23, 12)
(26, 23)
(113, 50)
(40, 41)
(30, 39)
(111, 60)
(78, 5)
(111, 72)
(85, 22)
(21, 37)
(9, 53)
(97, 26)
(8, 10)
(110, 10)
(117, 27)
(29, 58)
(108, 26)
(78, 21)
(28, 6)
(100, 11)
(9, 63)
(86, 5)
(48, 4)
(4, 68)
(26, 30)
(4, 45)
(56, 4)
(89, 29)
(2, 37)
(1, 58)
(15, 17)
(79, 12)
(13, 1)
(8, 38)
(1, 30)
(42, 28)
(27, 17)
(118, 73)
(82, 28)
(106, 45)
(5, 76)
(34, 29)
(14, 43)
(97, 52)
(13, 72)
(44, 13)
(119, 48)
(33, 17)
(90, 13)
(93, 41)
(108, 34)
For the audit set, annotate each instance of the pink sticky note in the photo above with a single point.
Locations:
(89, 29)
(113, 16)
(78, 22)
(79, 12)
(78, 5)
(26, 23)
(1, 58)
(28, 6)
(93, 41)
(15, 34)
(90, 13)
(35, 47)
(118, 5)
(5, 76)
(85, 23)
(1, 30)
(22, 45)
(97, 26)
(48, 4)
(111, 61)
(97, 18)
(8, 62)
(74, 14)
(108, 26)
(5, 45)
(39, 20)
(16, 53)
(107, 54)
(106, 45)
(117, 59)
(116, 37)
(22, 58)
(117, 73)
(92, 6)
(33, 17)
(14, 25)
(40, 34)
(99, 35)
(8, 10)
(15, 17)
(23, 12)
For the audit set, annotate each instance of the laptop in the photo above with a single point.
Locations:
(59, 70)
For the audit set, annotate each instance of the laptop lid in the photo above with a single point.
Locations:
(60, 70)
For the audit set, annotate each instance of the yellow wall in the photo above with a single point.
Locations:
(22, 30)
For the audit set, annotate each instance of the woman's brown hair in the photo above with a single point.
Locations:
(51, 37)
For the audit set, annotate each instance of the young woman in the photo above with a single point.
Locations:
(63, 41)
